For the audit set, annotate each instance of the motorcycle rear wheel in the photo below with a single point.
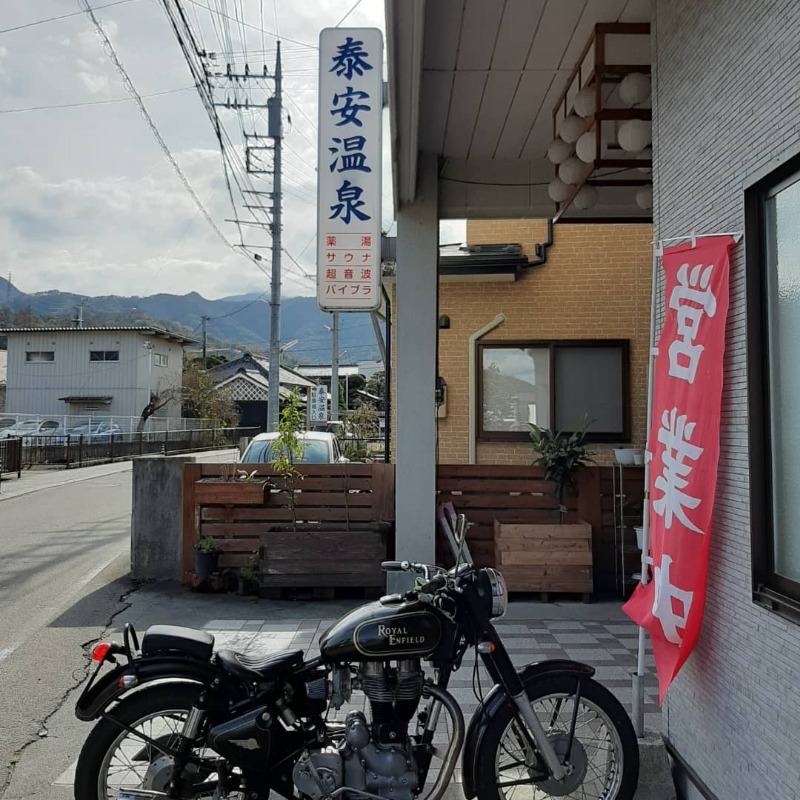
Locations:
(604, 757)
(112, 759)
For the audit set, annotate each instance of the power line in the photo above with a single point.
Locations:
(255, 27)
(93, 102)
(355, 6)
(63, 16)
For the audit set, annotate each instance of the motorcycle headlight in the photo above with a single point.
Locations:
(499, 593)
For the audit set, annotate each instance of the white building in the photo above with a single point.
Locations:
(100, 371)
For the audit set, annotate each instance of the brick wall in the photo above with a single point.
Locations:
(725, 110)
(595, 285)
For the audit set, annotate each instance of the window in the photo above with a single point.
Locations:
(104, 355)
(773, 292)
(553, 385)
(40, 356)
(160, 360)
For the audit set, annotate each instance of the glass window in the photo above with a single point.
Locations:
(554, 385)
(516, 388)
(40, 356)
(160, 359)
(772, 218)
(104, 355)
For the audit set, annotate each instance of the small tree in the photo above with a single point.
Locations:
(376, 386)
(202, 399)
(288, 448)
(157, 401)
(560, 454)
(363, 423)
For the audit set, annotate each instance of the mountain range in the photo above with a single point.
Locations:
(239, 321)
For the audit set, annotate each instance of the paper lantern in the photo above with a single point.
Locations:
(558, 190)
(634, 88)
(559, 151)
(571, 128)
(584, 104)
(586, 147)
(634, 135)
(644, 198)
(572, 170)
(586, 198)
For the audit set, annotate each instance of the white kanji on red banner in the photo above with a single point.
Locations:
(674, 434)
(665, 610)
(691, 298)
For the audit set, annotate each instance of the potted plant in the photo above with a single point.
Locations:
(206, 557)
(550, 557)
(560, 454)
(288, 449)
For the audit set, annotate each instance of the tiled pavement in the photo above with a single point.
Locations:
(598, 634)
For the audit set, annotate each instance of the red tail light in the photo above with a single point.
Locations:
(99, 651)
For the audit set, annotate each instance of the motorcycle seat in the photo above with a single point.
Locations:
(160, 638)
(258, 668)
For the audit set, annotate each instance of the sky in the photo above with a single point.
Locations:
(89, 202)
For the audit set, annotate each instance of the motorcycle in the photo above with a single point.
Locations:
(178, 720)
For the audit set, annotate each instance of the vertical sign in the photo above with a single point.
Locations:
(349, 169)
(684, 451)
(319, 404)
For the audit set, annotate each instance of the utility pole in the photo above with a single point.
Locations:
(203, 320)
(335, 368)
(275, 111)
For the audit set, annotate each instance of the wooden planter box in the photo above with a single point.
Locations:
(323, 557)
(545, 558)
(211, 492)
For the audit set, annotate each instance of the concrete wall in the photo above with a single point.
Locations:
(726, 110)
(595, 285)
(156, 519)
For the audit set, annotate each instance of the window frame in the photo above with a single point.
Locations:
(552, 345)
(773, 591)
(160, 360)
(40, 360)
(103, 360)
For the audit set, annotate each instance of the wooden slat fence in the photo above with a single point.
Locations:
(343, 502)
(352, 498)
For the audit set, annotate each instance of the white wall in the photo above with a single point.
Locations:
(35, 388)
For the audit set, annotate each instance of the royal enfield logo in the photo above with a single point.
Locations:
(398, 636)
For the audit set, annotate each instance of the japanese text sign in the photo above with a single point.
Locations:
(318, 409)
(349, 169)
(684, 450)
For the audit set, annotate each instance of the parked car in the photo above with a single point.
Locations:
(6, 423)
(33, 428)
(318, 448)
(101, 429)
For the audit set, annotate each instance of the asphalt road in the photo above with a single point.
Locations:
(64, 558)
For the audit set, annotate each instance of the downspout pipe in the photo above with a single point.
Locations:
(473, 383)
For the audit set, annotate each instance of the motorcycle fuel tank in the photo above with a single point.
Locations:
(383, 630)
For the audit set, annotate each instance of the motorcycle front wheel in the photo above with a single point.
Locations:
(603, 760)
(113, 759)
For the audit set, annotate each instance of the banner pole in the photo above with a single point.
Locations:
(637, 679)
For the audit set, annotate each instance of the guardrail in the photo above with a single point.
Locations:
(76, 451)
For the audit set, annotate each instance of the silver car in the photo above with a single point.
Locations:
(318, 448)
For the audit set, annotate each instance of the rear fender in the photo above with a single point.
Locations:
(496, 700)
(99, 694)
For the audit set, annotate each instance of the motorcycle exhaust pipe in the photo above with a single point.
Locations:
(139, 794)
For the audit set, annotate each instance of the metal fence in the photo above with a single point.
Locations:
(76, 451)
(68, 422)
(10, 456)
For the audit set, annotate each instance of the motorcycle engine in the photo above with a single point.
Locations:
(377, 757)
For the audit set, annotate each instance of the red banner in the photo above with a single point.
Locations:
(684, 451)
